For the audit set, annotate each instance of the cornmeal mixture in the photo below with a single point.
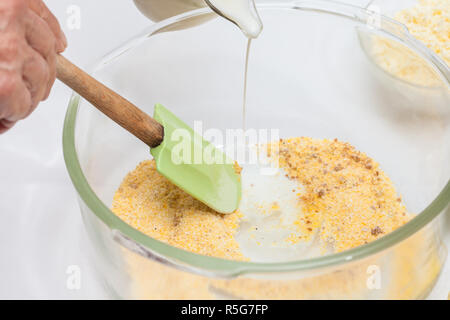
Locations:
(429, 22)
(347, 201)
(150, 203)
(348, 197)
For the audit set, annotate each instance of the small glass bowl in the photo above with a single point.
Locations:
(428, 97)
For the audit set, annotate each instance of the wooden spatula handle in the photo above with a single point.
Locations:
(123, 112)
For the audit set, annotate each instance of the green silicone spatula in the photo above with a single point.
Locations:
(181, 155)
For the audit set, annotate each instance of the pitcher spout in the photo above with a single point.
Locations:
(242, 13)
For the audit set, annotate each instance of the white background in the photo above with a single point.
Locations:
(41, 232)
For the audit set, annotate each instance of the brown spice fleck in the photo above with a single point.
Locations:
(376, 231)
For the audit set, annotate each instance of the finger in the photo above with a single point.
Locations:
(36, 74)
(51, 67)
(39, 7)
(41, 39)
(5, 125)
(39, 35)
(14, 96)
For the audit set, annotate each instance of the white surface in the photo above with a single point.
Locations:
(42, 233)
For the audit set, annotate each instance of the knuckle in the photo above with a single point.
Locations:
(9, 83)
(10, 48)
(14, 7)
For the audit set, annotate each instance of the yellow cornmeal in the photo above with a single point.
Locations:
(429, 22)
(150, 203)
(348, 200)
(347, 194)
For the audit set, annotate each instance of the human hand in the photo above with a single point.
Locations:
(30, 39)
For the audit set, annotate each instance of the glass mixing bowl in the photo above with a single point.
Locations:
(308, 76)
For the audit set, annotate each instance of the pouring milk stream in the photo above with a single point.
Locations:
(242, 13)
(259, 191)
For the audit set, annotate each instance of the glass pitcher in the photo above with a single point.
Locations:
(242, 13)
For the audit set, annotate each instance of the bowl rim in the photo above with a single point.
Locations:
(219, 267)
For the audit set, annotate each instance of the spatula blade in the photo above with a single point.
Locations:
(195, 165)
